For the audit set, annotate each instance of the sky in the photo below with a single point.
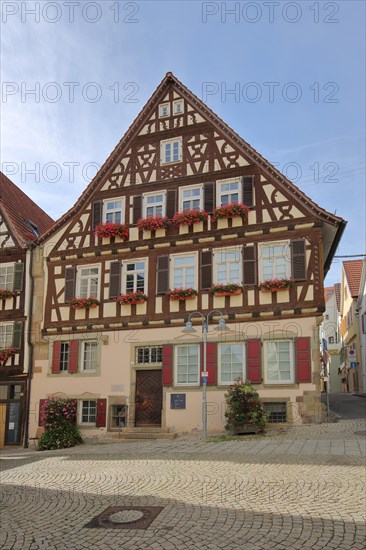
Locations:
(289, 77)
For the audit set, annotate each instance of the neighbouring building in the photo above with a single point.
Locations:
(21, 222)
(350, 330)
(361, 312)
(125, 358)
(331, 341)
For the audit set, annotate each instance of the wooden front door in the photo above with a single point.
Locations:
(149, 398)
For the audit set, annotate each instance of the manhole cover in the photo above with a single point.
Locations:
(126, 517)
(362, 432)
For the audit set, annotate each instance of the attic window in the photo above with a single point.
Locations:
(34, 228)
(164, 110)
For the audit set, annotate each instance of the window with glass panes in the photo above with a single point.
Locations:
(64, 356)
(88, 411)
(149, 354)
(191, 198)
(154, 205)
(89, 356)
(229, 192)
(187, 365)
(113, 211)
(228, 266)
(171, 151)
(135, 274)
(6, 277)
(231, 361)
(6, 335)
(88, 282)
(279, 362)
(184, 271)
(275, 261)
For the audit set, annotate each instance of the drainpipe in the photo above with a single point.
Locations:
(30, 346)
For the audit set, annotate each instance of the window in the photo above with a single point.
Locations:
(331, 340)
(6, 335)
(88, 282)
(34, 228)
(228, 266)
(113, 211)
(89, 356)
(231, 362)
(363, 323)
(279, 362)
(191, 198)
(187, 365)
(154, 205)
(275, 261)
(228, 192)
(64, 356)
(134, 276)
(7, 276)
(171, 151)
(326, 317)
(184, 271)
(164, 110)
(149, 354)
(88, 412)
(277, 412)
(178, 107)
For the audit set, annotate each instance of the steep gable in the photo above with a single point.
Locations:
(353, 272)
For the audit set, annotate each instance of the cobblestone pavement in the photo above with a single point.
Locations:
(299, 488)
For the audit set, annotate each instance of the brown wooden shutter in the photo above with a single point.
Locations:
(167, 365)
(162, 274)
(41, 401)
(211, 363)
(303, 360)
(137, 208)
(250, 265)
(97, 213)
(17, 335)
(248, 184)
(298, 259)
(171, 203)
(209, 197)
(114, 279)
(56, 357)
(18, 276)
(206, 269)
(73, 355)
(101, 418)
(70, 280)
(254, 361)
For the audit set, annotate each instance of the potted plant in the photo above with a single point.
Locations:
(230, 211)
(182, 293)
(132, 298)
(228, 289)
(84, 303)
(153, 223)
(244, 412)
(5, 293)
(272, 285)
(189, 217)
(110, 230)
(5, 354)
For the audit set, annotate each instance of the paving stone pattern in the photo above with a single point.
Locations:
(301, 488)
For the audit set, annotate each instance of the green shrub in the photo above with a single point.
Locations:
(244, 407)
(58, 417)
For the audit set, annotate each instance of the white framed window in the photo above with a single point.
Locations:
(279, 362)
(113, 211)
(178, 107)
(149, 354)
(6, 335)
(164, 110)
(88, 411)
(275, 261)
(134, 276)
(64, 356)
(171, 151)
(231, 362)
(228, 266)
(184, 271)
(187, 361)
(88, 282)
(191, 198)
(154, 204)
(7, 276)
(228, 191)
(89, 356)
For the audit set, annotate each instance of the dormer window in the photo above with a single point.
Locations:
(34, 228)
(164, 110)
(178, 107)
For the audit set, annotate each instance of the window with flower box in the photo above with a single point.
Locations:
(183, 271)
(88, 282)
(149, 354)
(6, 276)
(6, 335)
(228, 191)
(171, 151)
(113, 211)
(134, 276)
(227, 266)
(231, 363)
(153, 205)
(187, 363)
(275, 261)
(191, 198)
(279, 362)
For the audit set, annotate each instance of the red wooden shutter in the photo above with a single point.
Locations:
(101, 413)
(298, 259)
(56, 357)
(209, 197)
(206, 269)
(162, 274)
(114, 279)
(167, 365)
(303, 359)
(97, 213)
(73, 356)
(254, 361)
(250, 265)
(211, 364)
(41, 401)
(137, 208)
(171, 203)
(247, 182)
(70, 280)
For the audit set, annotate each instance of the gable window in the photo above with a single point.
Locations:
(228, 266)
(149, 354)
(6, 335)
(191, 198)
(154, 205)
(7, 276)
(275, 261)
(279, 362)
(64, 356)
(88, 280)
(88, 414)
(113, 211)
(164, 110)
(171, 151)
(231, 363)
(187, 365)
(184, 271)
(89, 356)
(134, 276)
(228, 192)
(34, 228)
(178, 107)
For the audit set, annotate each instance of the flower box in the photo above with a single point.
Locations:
(110, 230)
(273, 285)
(189, 217)
(230, 211)
(5, 354)
(182, 294)
(153, 224)
(235, 293)
(229, 289)
(84, 303)
(131, 298)
(5, 294)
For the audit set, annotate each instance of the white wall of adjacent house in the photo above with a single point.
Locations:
(330, 332)
(361, 309)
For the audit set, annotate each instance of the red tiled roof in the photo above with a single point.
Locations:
(18, 210)
(353, 271)
(337, 288)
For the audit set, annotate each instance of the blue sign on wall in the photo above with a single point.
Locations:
(178, 401)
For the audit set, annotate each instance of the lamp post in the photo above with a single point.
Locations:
(189, 329)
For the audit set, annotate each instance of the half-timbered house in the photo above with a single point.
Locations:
(21, 223)
(129, 364)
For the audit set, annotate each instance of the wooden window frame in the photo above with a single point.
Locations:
(175, 103)
(187, 188)
(64, 362)
(215, 263)
(6, 266)
(79, 277)
(124, 273)
(292, 379)
(219, 193)
(12, 335)
(162, 150)
(80, 415)
(219, 363)
(82, 368)
(287, 256)
(150, 348)
(145, 206)
(163, 106)
(195, 267)
(190, 384)
(122, 209)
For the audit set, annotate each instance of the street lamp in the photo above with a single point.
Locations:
(189, 329)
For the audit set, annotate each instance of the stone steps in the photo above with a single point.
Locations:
(143, 433)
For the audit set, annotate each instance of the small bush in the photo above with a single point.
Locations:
(244, 407)
(58, 416)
